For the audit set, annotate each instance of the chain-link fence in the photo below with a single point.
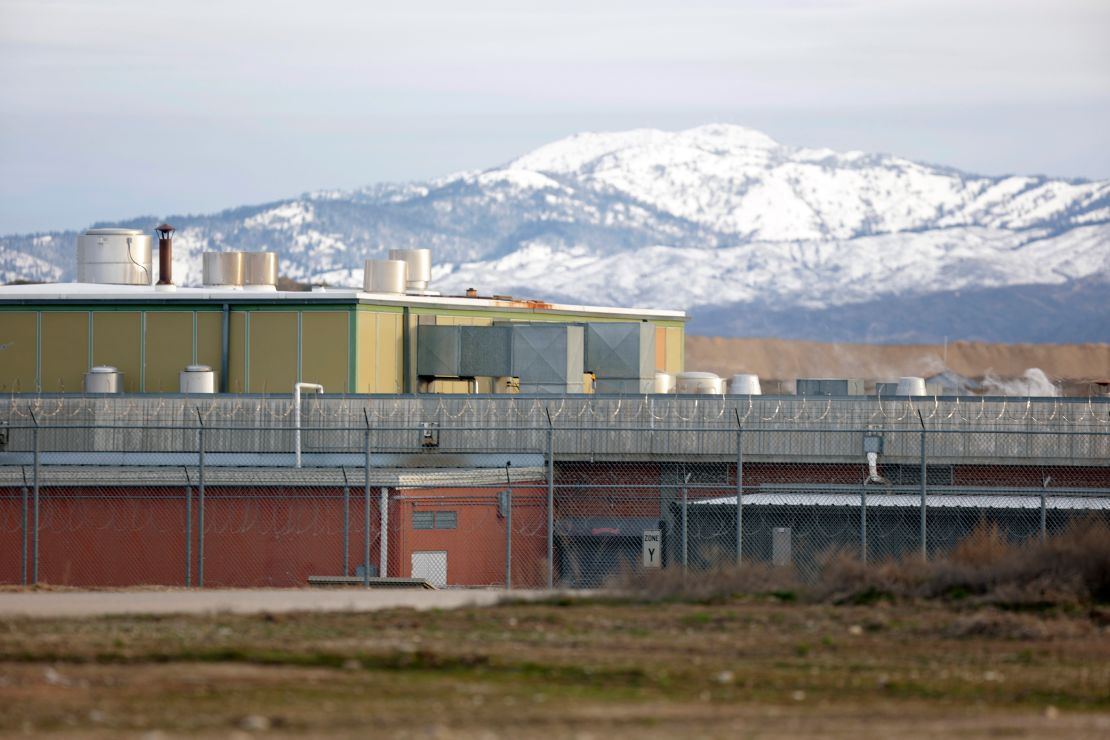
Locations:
(564, 499)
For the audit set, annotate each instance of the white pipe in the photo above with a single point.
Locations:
(873, 469)
(297, 388)
(383, 554)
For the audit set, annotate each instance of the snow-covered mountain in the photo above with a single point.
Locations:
(749, 235)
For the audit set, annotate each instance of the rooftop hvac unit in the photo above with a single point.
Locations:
(911, 386)
(260, 270)
(624, 386)
(418, 264)
(485, 351)
(548, 358)
(385, 276)
(699, 383)
(103, 379)
(829, 387)
(223, 269)
(745, 384)
(197, 379)
(114, 257)
(437, 351)
(621, 349)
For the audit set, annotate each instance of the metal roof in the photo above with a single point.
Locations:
(139, 294)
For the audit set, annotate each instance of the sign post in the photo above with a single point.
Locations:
(652, 545)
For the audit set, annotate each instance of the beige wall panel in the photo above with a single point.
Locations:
(117, 341)
(661, 349)
(675, 350)
(273, 352)
(210, 341)
(366, 340)
(65, 350)
(389, 353)
(17, 352)
(237, 353)
(169, 348)
(324, 352)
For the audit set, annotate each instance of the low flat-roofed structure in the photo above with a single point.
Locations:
(259, 341)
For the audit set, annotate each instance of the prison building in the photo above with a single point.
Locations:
(116, 331)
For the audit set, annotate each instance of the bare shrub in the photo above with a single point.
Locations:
(1070, 568)
(713, 585)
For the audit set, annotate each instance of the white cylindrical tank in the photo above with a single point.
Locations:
(701, 383)
(664, 383)
(198, 379)
(419, 263)
(223, 269)
(103, 379)
(384, 276)
(114, 257)
(745, 384)
(911, 386)
(260, 270)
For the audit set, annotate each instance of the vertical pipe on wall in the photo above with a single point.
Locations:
(225, 348)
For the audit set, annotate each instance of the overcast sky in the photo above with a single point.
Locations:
(117, 108)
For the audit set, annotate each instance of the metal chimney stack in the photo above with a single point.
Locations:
(165, 254)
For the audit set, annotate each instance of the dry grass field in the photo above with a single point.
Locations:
(995, 640)
(748, 667)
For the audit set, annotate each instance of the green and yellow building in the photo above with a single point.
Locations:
(260, 341)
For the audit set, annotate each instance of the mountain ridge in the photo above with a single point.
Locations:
(712, 217)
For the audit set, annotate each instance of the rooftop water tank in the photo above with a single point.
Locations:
(745, 384)
(699, 383)
(197, 379)
(419, 263)
(384, 276)
(103, 379)
(223, 269)
(114, 257)
(260, 270)
(911, 386)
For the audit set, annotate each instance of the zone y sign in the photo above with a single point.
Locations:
(653, 540)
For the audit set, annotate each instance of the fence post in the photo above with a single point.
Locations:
(23, 493)
(1044, 508)
(200, 501)
(346, 526)
(550, 502)
(863, 523)
(924, 490)
(739, 489)
(35, 504)
(366, 512)
(508, 528)
(188, 534)
(685, 525)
